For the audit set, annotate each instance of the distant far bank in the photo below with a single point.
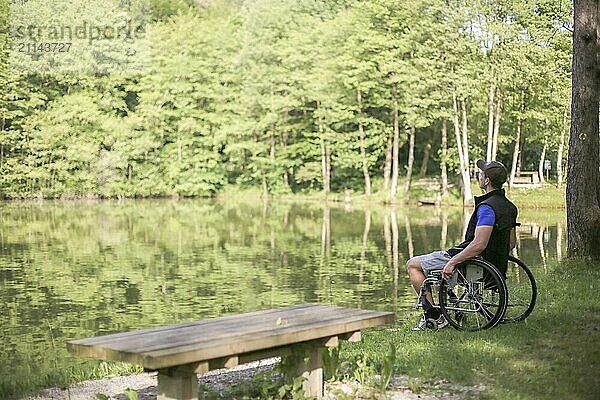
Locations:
(423, 192)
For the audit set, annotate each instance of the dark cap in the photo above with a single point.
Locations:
(494, 170)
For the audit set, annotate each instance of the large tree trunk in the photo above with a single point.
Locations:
(444, 159)
(396, 143)
(490, 119)
(561, 150)
(426, 155)
(515, 159)
(583, 177)
(411, 158)
(499, 105)
(363, 151)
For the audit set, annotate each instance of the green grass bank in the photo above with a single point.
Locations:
(544, 196)
(554, 354)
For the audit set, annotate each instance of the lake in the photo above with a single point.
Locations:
(78, 269)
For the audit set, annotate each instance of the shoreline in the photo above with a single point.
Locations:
(221, 380)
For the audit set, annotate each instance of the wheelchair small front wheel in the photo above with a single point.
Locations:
(475, 298)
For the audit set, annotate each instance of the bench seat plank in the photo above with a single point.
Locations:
(215, 338)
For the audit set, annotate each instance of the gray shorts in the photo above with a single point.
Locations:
(434, 261)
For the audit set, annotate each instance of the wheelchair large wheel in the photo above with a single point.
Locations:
(522, 291)
(475, 297)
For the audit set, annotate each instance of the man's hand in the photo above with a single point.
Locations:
(448, 270)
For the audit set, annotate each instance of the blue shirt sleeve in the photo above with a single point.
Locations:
(485, 216)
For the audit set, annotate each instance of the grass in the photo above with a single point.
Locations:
(64, 377)
(555, 354)
(544, 196)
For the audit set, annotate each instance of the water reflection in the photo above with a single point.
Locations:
(70, 270)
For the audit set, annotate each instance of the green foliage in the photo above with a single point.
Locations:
(131, 394)
(387, 368)
(264, 95)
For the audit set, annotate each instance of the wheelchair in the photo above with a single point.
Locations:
(478, 296)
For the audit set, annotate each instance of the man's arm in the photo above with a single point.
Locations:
(482, 237)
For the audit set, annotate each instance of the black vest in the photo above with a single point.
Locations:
(498, 246)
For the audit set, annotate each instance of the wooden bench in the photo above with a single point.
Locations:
(527, 178)
(179, 352)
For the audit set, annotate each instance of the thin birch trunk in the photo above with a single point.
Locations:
(265, 187)
(459, 147)
(363, 151)
(490, 119)
(411, 158)
(444, 159)
(426, 155)
(387, 167)
(324, 151)
(284, 141)
(515, 159)
(541, 164)
(499, 105)
(561, 149)
(465, 136)
(396, 143)
(460, 144)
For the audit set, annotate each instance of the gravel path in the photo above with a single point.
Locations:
(218, 380)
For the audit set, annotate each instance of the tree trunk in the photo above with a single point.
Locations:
(411, 158)
(465, 138)
(396, 143)
(499, 105)
(363, 151)
(387, 167)
(325, 163)
(284, 141)
(541, 164)
(515, 159)
(561, 150)
(444, 159)
(490, 119)
(265, 187)
(462, 149)
(426, 155)
(583, 177)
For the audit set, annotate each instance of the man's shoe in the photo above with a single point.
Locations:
(430, 323)
(441, 322)
(422, 325)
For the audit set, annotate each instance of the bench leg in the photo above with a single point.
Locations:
(312, 371)
(177, 385)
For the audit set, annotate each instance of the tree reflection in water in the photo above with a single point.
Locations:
(78, 269)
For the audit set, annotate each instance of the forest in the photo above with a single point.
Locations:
(287, 96)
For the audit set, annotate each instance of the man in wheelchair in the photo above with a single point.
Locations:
(490, 235)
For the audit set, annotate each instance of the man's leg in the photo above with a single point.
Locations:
(416, 273)
(417, 276)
